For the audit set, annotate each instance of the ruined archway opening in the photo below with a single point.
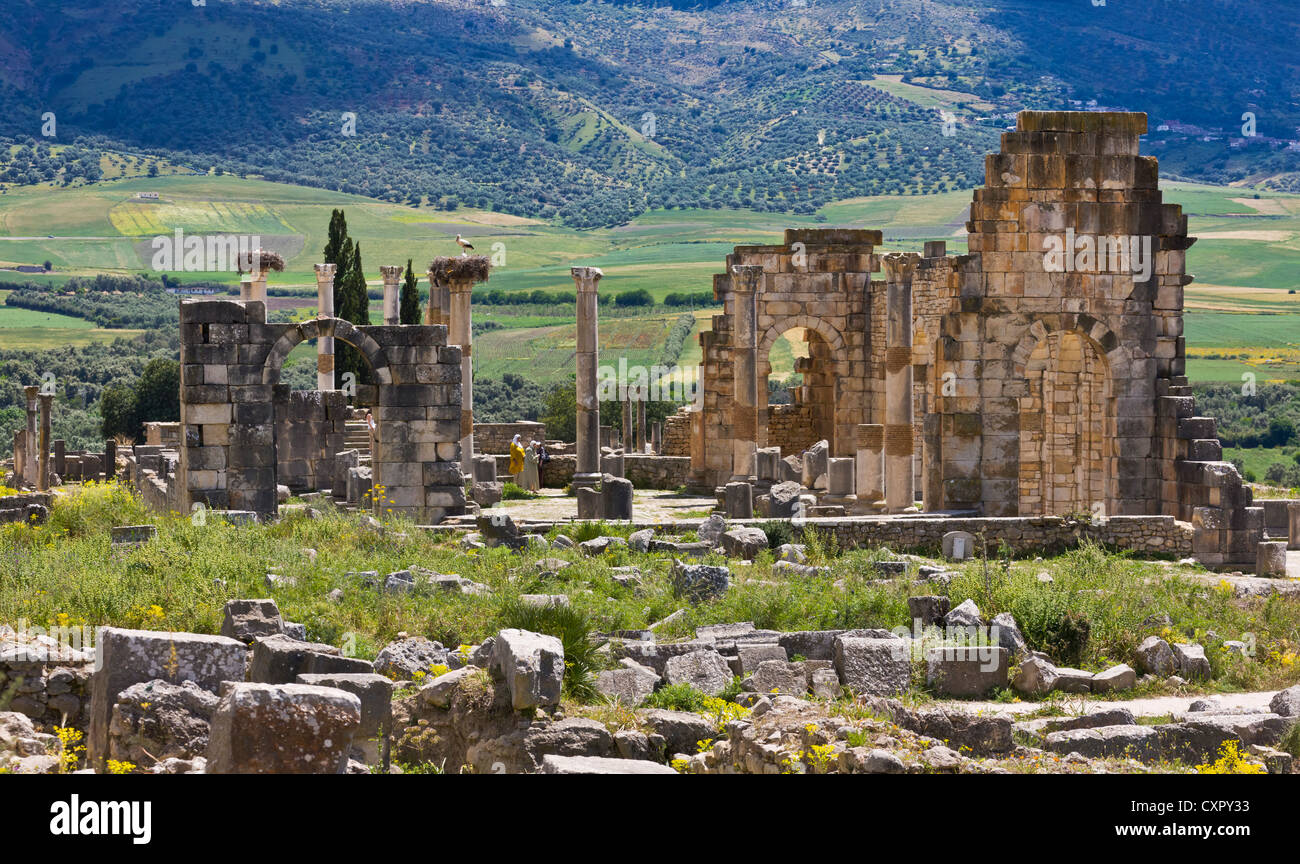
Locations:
(321, 438)
(1066, 429)
(796, 391)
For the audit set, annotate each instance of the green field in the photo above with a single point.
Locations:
(31, 330)
(1245, 263)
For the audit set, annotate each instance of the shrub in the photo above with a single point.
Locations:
(514, 492)
(574, 630)
(778, 533)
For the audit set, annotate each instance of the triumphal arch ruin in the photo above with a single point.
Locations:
(1040, 373)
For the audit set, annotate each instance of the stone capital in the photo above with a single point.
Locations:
(325, 272)
(586, 277)
(391, 272)
(746, 277)
(900, 266)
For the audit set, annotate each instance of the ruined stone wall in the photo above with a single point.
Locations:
(310, 427)
(645, 471)
(230, 363)
(817, 279)
(495, 438)
(677, 433)
(790, 427)
(51, 691)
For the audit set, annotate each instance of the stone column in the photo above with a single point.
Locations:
(43, 443)
(744, 289)
(900, 483)
(20, 456)
(325, 309)
(438, 309)
(587, 473)
(460, 329)
(640, 420)
(392, 292)
(869, 464)
(110, 459)
(1293, 525)
(60, 456)
(626, 437)
(32, 441)
(252, 287)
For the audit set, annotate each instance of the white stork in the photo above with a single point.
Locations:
(465, 246)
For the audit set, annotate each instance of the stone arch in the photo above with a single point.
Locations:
(340, 329)
(1067, 416)
(828, 341)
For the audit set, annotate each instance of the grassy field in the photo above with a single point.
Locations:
(1245, 262)
(31, 330)
(65, 572)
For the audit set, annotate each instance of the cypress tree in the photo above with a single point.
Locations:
(410, 307)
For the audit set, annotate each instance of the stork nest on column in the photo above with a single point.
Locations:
(265, 261)
(464, 268)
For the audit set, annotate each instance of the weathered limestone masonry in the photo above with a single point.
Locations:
(325, 309)
(817, 280)
(392, 276)
(587, 473)
(459, 276)
(230, 363)
(495, 438)
(1047, 364)
(310, 428)
(900, 491)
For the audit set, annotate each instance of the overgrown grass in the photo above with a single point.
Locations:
(65, 572)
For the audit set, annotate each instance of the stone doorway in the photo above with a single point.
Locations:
(1066, 428)
(804, 358)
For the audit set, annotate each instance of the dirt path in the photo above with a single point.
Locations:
(1152, 706)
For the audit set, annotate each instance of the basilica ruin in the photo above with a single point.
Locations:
(1038, 375)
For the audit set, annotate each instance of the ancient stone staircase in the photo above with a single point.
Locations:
(358, 438)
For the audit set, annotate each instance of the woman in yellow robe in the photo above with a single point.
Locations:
(516, 458)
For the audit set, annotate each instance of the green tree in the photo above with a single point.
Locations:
(410, 306)
(560, 413)
(351, 302)
(117, 408)
(158, 392)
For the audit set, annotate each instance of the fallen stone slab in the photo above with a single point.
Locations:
(1035, 676)
(280, 660)
(1286, 702)
(375, 693)
(744, 542)
(1191, 661)
(1121, 677)
(752, 654)
(705, 670)
(601, 545)
(401, 659)
(532, 665)
(155, 720)
(966, 671)
(1155, 657)
(1107, 742)
(1073, 680)
(699, 582)
(630, 685)
(778, 677)
(873, 666)
(552, 764)
(1097, 719)
(681, 731)
(247, 620)
(282, 729)
(126, 657)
